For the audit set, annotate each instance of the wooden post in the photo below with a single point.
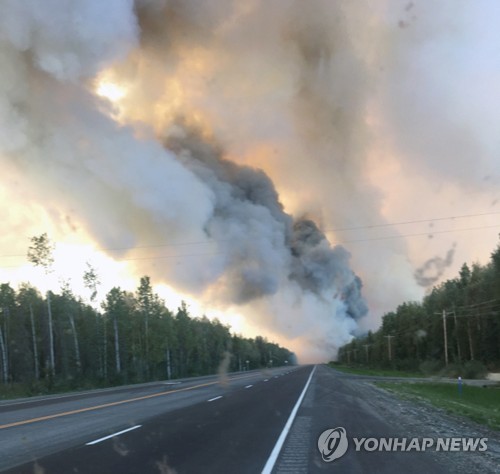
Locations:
(389, 346)
(445, 333)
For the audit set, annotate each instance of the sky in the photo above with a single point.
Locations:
(257, 159)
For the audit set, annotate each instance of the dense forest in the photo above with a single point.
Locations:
(57, 341)
(455, 329)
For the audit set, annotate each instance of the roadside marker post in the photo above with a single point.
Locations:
(459, 386)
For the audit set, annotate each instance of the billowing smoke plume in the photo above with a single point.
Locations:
(63, 142)
(261, 251)
(235, 131)
(262, 245)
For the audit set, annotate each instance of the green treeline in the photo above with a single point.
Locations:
(57, 341)
(461, 314)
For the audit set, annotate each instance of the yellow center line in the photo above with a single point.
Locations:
(98, 407)
(245, 376)
(111, 404)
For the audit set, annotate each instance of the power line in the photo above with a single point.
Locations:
(430, 233)
(116, 249)
(222, 253)
(473, 305)
(417, 221)
(154, 257)
(389, 237)
(174, 256)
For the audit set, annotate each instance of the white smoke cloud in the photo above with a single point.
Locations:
(69, 40)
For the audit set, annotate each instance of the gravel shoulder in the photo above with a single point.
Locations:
(337, 399)
(419, 418)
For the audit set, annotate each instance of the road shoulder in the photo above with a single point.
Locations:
(365, 410)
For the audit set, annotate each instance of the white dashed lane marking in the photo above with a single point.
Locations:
(215, 398)
(90, 443)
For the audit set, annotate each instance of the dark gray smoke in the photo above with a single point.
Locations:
(245, 198)
(432, 270)
(317, 267)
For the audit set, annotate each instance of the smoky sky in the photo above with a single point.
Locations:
(299, 120)
(127, 190)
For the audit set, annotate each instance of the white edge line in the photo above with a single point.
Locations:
(266, 380)
(248, 386)
(112, 435)
(215, 398)
(279, 444)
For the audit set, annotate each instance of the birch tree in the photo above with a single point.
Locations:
(27, 296)
(114, 307)
(145, 300)
(40, 254)
(91, 282)
(3, 351)
(68, 298)
(7, 302)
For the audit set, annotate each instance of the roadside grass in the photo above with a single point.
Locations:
(19, 390)
(376, 372)
(10, 391)
(481, 404)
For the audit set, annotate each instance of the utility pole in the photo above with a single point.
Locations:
(366, 346)
(445, 332)
(445, 337)
(471, 349)
(389, 346)
(459, 351)
(169, 367)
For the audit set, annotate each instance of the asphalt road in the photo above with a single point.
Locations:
(252, 422)
(199, 425)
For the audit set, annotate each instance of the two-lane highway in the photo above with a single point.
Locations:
(199, 425)
(249, 422)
